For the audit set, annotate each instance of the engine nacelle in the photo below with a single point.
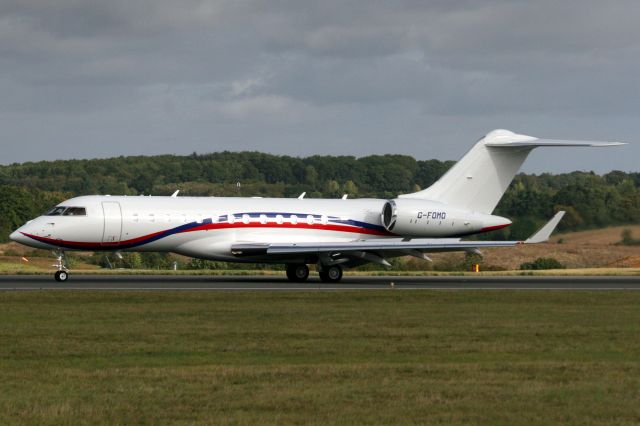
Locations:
(424, 218)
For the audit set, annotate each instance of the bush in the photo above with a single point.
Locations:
(542, 263)
(199, 264)
(627, 238)
(205, 264)
(132, 260)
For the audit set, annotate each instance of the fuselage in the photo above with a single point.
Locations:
(207, 227)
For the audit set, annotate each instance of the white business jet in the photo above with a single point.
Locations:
(331, 234)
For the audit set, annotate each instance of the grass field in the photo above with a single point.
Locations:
(316, 358)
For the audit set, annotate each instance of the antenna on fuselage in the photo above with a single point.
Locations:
(301, 196)
(175, 194)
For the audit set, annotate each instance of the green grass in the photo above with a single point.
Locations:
(391, 356)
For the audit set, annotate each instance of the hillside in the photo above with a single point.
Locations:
(603, 236)
(595, 248)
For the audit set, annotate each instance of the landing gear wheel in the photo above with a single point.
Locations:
(61, 276)
(298, 273)
(331, 274)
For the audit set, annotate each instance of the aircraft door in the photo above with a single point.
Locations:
(112, 222)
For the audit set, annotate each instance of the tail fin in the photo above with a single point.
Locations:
(478, 181)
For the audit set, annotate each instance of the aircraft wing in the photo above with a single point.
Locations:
(424, 244)
(362, 248)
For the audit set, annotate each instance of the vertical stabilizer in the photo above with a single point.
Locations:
(478, 181)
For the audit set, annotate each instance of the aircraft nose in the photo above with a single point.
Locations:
(17, 237)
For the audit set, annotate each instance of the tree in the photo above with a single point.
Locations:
(310, 176)
(28, 189)
(350, 188)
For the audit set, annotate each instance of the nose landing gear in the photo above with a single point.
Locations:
(62, 274)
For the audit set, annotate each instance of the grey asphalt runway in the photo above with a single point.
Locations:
(272, 283)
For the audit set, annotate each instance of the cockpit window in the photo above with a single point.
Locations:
(56, 211)
(75, 211)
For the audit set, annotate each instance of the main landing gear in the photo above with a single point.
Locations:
(331, 274)
(62, 274)
(300, 272)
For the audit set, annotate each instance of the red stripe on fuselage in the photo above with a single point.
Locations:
(320, 227)
(206, 227)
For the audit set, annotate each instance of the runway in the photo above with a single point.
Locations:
(272, 283)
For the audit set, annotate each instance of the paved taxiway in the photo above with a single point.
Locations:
(271, 283)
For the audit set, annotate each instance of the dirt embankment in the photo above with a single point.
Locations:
(595, 249)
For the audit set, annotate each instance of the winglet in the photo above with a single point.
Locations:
(544, 233)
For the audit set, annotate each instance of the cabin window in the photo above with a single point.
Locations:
(324, 219)
(75, 211)
(263, 219)
(279, 219)
(246, 219)
(310, 219)
(56, 211)
(294, 219)
(231, 218)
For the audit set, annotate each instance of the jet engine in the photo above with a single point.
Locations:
(424, 218)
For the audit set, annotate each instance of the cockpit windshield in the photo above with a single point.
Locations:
(67, 211)
(75, 211)
(56, 211)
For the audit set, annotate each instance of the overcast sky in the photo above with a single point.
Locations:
(84, 79)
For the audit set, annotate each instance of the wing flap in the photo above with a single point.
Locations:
(385, 245)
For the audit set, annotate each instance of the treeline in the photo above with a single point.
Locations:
(28, 189)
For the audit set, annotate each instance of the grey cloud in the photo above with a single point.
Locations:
(114, 77)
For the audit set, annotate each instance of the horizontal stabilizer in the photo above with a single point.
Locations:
(534, 143)
(544, 233)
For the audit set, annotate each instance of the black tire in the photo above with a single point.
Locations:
(331, 274)
(298, 273)
(61, 276)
